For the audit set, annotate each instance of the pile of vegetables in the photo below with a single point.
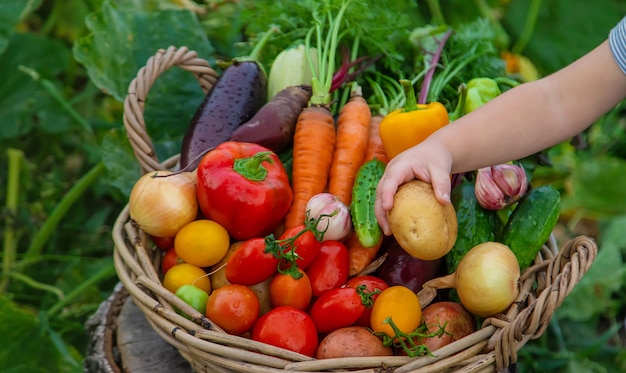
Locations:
(268, 227)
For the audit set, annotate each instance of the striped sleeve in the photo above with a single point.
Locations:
(617, 41)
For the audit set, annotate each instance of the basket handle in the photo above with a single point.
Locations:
(134, 103)
(563, 273)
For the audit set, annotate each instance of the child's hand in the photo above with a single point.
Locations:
(429, 161)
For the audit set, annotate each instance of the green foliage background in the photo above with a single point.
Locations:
(66, 167)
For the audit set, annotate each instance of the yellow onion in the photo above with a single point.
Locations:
(161, 205)
(486, 280)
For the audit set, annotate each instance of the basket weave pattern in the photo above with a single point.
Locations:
(493, 347)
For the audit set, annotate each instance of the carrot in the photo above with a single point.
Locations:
(360, 256)
(313, 146)
(352, 138)
(375, 148)
(314, 137)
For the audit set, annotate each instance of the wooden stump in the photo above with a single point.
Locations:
(121, 340)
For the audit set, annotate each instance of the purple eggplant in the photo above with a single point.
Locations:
(238, 94)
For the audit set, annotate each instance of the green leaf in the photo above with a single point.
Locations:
(121, 41)
(24, 103)
(594, 294)
(382, 26)
(11, 12)
(565, 29)
(597, 185)
(25, 345)
(122, 167)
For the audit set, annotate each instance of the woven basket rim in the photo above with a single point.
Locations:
(544, 285)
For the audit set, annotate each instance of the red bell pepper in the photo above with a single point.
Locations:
(245, 188)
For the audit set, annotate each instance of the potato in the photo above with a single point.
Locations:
(423, 226)
(456, 321)
(351, 341)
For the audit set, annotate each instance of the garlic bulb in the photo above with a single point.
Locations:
(500, 186)
(330, 217)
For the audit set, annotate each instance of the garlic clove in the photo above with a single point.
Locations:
(511, 179)
(488, 194)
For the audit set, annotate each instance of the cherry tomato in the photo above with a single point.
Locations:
(170, 259)
(186, 273)
(372, 284)
(249, 264)
(234, 308)
(202, 242)
(306, 245)
(330, 268)
(337, 308)
(193, 296)
(289, 328)
(285, 290)
(401, 305)
(163, 243)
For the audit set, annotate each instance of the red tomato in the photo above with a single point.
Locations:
(163, 243)
(337, 308)
(249, 264)
(306, 245)
(330, 268)
(372, 284)
(170, 259)
(234, 308)
(289, 328)
(288, 291)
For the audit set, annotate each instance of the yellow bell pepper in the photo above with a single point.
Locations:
(404, 128)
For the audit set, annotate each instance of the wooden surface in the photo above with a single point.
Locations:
(121, 340)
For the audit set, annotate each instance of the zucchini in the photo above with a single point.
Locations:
(531, 223)
(366, 227)
(475, 224)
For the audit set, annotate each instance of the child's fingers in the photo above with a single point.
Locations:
(384, 200)
(441, 186)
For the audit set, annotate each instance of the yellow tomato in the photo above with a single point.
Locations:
(401, 305)
(202, 242)
(186, 273)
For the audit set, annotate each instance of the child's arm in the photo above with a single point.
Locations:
(520, 122)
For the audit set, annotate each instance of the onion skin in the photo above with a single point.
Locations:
(161, 206)
(487, 279)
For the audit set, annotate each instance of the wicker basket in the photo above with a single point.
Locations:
(492, 348)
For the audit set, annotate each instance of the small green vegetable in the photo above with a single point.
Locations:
(479, 92)
(531, 223)
(290, 68)
(362, 206)
(476, 224)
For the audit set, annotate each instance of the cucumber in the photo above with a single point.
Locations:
(531, 223)
(476, 224)
(366, 227)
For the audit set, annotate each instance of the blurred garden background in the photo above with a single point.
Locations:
(66, 167)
